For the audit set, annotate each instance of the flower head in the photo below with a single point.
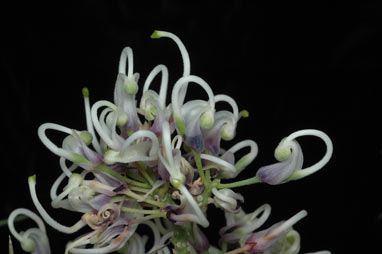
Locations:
(160, 166)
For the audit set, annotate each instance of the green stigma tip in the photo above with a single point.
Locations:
(155, 35)
(244, 113)
(85, 92)
(32, 178)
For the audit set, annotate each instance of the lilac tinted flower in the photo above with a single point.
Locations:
(125, 90)
(265, 239)
(193, 115)
(192, 112)
(289, 244)
(226, 163)
(146, 172)
(240, 225)
(224, 125)
(152, 105)
(227, 200)
(177, 179)
(289, 153)
(33, 240)
(212, 137)
(73, 148)
(135, 148)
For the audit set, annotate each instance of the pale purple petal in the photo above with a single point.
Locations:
(199, 241)
(278, 172)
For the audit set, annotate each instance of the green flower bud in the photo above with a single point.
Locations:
(122, 119)
(87, 137)
(282, 153)
(207, 120)
(177, 182)
(227, 132)
(28, 245)
(75, 180)
(131, 87)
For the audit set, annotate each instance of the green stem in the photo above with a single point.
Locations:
(138, 197)
(248, 181)
(135, 176)
(149, 217)
(139, 189)
(224, 247)
(207, 191)
(4, 222)
(140, 211)
(200, 168)
(160, 226)
(106, 169)
(142, 169)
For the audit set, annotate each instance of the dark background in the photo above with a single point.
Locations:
(292, 66)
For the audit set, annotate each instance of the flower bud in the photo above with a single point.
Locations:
(86, 137)
(207, 120)
(226, 199)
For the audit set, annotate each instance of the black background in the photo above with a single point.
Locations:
(292, 66)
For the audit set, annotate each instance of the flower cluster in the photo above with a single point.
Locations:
(162, 165)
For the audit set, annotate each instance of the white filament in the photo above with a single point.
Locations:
(89, 125)
(166, 139)
(185, 58)
(67, 171)
(127, 53)
(49, 144)
(226, 166)
(56, 184)
(101, 130)
(230, 101)
(287, 224)
(164, 82)
(46, 216)
(142, 134)
(265, 211)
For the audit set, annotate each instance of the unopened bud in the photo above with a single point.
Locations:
(131, 87)
(207, 120)
(87, 137)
